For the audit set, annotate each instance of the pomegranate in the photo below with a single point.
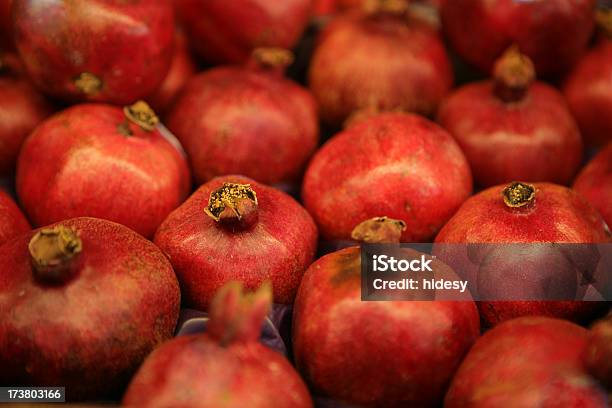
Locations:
(226, 366)
(12, 220)
(512, 129)
(396, 164)
(554, 34)
(594, 182)
(97, 160)
(181, 69)
(391, 353)
(524, 213)
(385, 58)
(82, 303)
(598, 354)
(527, 362)
(6, 40)
(247, 120)
(223, 32)
(233, 228)
(588, 88)
(21, 109)
(95, 50)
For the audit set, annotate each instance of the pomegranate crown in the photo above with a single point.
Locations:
(51, 251)
(236, 316)
(379, 230)
(272, 57)
(398, 7)
(603, 17)
(233, 204)
(89, 84)
(142, 114)
(513, 73)
(518, 194)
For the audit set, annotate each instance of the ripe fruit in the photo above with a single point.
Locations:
(97, 160)
(554, 34)
(527, 362)
(391, 353)
(181, 69)
(523, 213)
(91, 50)
(386, 59)
(588, 89)
(594, 182)
(226, 366)
(511, 128)
(82, 302)
(21, 109)
(224, 33)
(12, 220)
(394, 164)
(247, 120)
(598, 353)
(233, 228)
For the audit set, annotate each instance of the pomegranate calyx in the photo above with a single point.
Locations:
(88, 83)
(397, 7)
(272, 58)
(513, 73)
(603, 17)
(52, 250)
(236, 316)
(141, 114)
(379, 230)
(233, 205)
(518, 194)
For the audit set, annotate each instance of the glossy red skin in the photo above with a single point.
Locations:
(594, 182)
(205, 255)
(351, 70)
(181, 69)
(397, 165)
(6, 40)
(195, 371)
(559, 214)
(126, 44)
(91, 333)
(535, 139)
(21, 110)
(598, 353)
(554, 34)
(392, 353)
(527, 362)
(12, 220)
(588, 90)
(234, 120)
(227, 32)
(78, 163)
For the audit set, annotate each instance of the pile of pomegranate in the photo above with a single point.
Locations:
(195, 196)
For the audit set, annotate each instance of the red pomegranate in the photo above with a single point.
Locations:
(512, 129)
(12, 220)
(588, 89)
(594, 182)
(598, 354)
(387, 354)
(97, 160)
(82, 303)
(181, 69)
(233, 228)
(385, 59)
(223, 32)
(226, 366)
(6, 40)
(21, 110)
(394, 164)
(246, 120)
(95, 50)
(554, 34)
(524, 213)
(527, 362)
